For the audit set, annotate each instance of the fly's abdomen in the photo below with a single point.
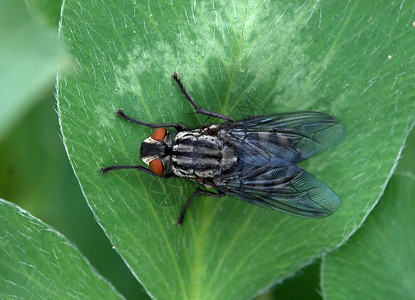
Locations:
(196, 154)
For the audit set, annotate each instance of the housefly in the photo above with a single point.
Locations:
(253, 159)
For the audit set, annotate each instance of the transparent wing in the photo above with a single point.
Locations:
(288, 189)
(281, 138)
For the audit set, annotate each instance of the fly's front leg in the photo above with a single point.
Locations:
(111, 168)
(138, 167)
(198, 109)
(179, 127)
(197, 192)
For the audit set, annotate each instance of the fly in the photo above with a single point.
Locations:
(253, 159)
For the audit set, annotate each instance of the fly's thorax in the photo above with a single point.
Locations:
(200, 154)
(153, 148)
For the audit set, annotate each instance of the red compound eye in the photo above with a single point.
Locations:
(156, 166)
(159, 134)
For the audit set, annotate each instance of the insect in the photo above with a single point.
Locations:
(253, 159)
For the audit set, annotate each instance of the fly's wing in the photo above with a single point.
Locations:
(283, 138)
(288, 189)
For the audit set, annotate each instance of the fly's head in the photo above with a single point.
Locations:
(155, 151)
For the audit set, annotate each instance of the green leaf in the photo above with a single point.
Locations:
(48, 11)
(42, 182)
(36, 261)
(239, 59)
(29, 55)
(379, 258)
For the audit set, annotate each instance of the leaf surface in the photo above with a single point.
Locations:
(37, 261)
(379, 258)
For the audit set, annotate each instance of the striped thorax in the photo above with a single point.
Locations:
(201, 154)
(197, 154)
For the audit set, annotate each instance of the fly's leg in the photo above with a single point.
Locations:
(140, 168)
(197, 192)
(198, 109)
(179, 127)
